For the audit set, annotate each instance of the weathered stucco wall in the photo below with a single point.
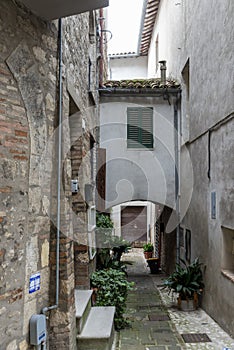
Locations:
(168, 32)
(138, 174)
(128, 68)
(28, 163)
(203, 33)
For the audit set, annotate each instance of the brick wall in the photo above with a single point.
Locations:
(28, 176)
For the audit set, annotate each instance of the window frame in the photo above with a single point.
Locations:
(139, 142)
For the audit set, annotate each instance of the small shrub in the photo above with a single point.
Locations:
(148, 247)
(112, 290)
(104, 221)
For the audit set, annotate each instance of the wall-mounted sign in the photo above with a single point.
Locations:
(34, 283)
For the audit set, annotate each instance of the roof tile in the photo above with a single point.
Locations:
(154, 83)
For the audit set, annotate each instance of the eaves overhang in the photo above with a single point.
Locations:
(53, 9)
(140, 87)
(149, 15)
(145, 92)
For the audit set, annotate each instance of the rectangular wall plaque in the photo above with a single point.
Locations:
(34, 283)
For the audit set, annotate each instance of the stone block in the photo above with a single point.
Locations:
(30, 308)
(12, 345)
(23, 345)
(45, 249)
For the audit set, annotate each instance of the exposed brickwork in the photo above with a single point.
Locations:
(28, 187)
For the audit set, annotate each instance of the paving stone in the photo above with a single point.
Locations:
(156, 348)
(149, 300)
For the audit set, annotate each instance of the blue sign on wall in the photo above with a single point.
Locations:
(34, 283)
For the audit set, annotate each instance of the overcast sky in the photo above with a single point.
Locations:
(124, 18)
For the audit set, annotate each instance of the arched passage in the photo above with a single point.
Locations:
(140, 222)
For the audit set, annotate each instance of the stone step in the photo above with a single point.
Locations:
(98, 332)
(83, 306)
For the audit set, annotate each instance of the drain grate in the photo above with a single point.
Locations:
(156, 317)
(196, 338)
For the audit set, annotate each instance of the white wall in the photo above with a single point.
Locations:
(138, 174)
(128, 68)
(203, 32)
(169, 30)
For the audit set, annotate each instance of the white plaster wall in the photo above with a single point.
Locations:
(128, 68)
(169, 30)
(203, 31)
(138, 174)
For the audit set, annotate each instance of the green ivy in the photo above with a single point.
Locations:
(104, 221)
(112, 290)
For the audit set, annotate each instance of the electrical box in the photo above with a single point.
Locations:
(74, 186)
(37, 329)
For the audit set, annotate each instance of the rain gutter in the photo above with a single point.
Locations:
(60, 52)
(177, 129)
(116, 92)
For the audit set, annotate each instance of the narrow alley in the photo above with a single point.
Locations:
(156, 324)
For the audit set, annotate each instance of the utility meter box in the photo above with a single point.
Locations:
(37, 329)
(74, 186)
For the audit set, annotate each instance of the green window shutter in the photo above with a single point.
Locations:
(140, 127)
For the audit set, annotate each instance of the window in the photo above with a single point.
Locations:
(140, 127)
(227, 266)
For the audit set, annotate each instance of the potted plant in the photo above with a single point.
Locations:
(148, 250)
(153, 264)
(187, 281)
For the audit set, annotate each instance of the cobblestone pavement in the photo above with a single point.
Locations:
(156, 324)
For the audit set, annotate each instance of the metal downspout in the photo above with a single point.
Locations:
(101, 66)
(177, 127)
(60, 52)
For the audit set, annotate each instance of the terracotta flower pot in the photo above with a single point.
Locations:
(148, 255)
(188, 304)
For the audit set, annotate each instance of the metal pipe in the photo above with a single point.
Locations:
(60, 51)
(101, 62)
(209, 155)
(163, 69)
(177, 128)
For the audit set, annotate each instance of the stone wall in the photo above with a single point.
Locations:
(28, 162)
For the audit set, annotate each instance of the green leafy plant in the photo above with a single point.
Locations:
(119, 246)
(104, 221)
(148, 247)
(186, 280)
(112, 289)
(111, 247)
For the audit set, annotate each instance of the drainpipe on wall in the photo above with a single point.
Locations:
(163, 69)
(177, 127)
(101, 66)
(60, 53)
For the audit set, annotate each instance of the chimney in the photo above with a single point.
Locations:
(163, 69)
